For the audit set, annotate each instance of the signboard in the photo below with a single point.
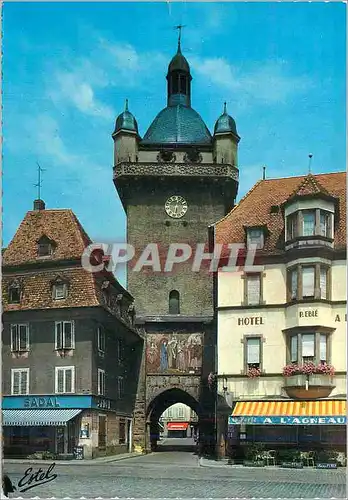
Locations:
(326, 466)
(287, 420)
(177, 426)
(78, 453)
(48, 401)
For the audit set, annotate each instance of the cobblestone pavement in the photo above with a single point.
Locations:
(177, 474)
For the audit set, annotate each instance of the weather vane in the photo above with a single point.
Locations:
(38, 185)
(179, 28)
(310, 156)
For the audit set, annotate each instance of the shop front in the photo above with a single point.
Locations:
(177, 429)
(305, 426)
(66, 426)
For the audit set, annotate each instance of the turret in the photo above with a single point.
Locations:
(226, 139)
(125, 137)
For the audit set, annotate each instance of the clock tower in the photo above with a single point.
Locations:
(174, 182)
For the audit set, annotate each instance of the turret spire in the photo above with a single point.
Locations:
(179, 78)
(126, 105)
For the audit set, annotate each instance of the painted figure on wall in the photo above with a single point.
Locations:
(174, 353)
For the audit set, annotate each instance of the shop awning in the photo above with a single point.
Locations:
(37, 418)
(324, 412)
(177, 426)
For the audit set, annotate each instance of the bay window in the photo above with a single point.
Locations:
(306, 223)
(309, 282)
(308, 227)
(308, 347)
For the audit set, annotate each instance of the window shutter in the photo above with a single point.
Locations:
(323, 349)
(59, 335)
(308, 277)
(60, 380)
(308, 223)
(323, 281)
(24, 380)
(23, 337)
(16, 383)
(14, 338)
(308, 345)
(68, 380)
(68, 335)
(253, 289)
(293, 349)
(253, 351)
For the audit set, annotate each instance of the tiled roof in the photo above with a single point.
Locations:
(255, 208)
(61, 226)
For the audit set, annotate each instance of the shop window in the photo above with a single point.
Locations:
(120, 387)
(308, 347)
(174, 302)
(253, 289)
(122, 431)
(101, 382)
(65, 380)
(19, 381)
(101, 339)
(102, 432)
(253, 353)
(255, 236)
(20, 338)
(65, 335)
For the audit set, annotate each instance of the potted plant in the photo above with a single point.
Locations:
(254, 454)
(254, 372)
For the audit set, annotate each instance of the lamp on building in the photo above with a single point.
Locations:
(224, 384)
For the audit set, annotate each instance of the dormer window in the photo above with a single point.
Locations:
(45, 247)
(59, 289)
(309, 223)
(14, 293)
(255, 236)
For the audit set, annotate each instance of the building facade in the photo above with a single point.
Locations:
(70, 351)
(174, 182)
(179, 421)
(282, 322)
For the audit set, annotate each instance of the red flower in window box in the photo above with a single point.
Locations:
(254, 372)
(308, 369)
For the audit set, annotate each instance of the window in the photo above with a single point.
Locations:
(253, 352)
(308, 222)
(65, 335)
(174, 302)
(101, 339)
(59, 291)
(292, 226)
(120, 350)
(180, 412)
(308, 347)
(19, 338)
(65, 379)
(45, 247)
(101, 382)
(14, 294)
(19, 381)
(120, 387)
(253, 289)
(170, 412)
(325, 224)
(255, 237)
(308, 281)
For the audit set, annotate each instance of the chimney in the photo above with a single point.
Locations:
(39, 205)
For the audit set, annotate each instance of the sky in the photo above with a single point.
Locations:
(68, 68)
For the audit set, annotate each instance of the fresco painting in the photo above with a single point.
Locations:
(174, 353)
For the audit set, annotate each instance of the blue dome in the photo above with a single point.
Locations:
(126, 121)
(178, 125)
(225, 124)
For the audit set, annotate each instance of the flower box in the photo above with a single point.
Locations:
(295, 381)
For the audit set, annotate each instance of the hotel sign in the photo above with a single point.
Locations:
(288, 420)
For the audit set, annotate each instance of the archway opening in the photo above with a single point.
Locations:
(173, 418)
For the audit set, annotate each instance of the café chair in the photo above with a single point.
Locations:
(308, 457)
(269, 456)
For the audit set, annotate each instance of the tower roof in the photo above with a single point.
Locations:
(179, 62)
(126, 121)
(225, 124)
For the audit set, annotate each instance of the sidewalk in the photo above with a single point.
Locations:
(223, 463)
(95, 461)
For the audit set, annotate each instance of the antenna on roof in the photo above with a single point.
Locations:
(38, 185)
(310, 156)
(264, 173)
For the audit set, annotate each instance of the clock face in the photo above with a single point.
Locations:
(176, 207)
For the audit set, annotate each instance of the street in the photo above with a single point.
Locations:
(178, 474)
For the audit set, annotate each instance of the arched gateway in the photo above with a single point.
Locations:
(174, 183)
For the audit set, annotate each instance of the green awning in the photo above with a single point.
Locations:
(37, 418)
